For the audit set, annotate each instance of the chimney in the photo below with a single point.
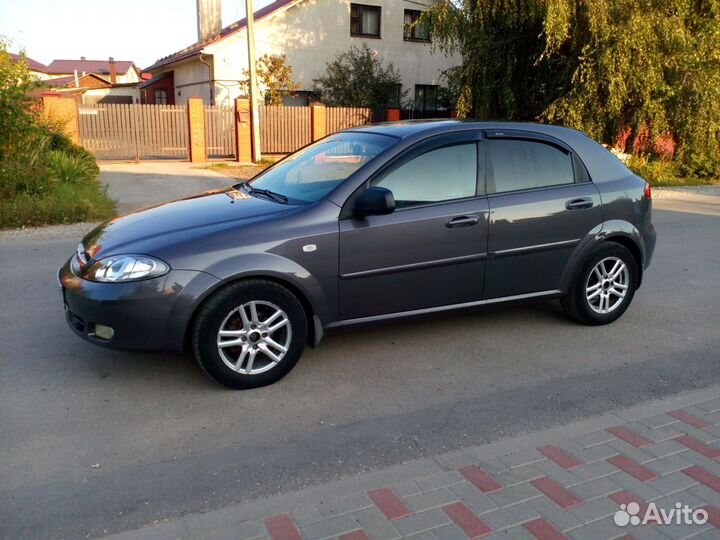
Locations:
(209, 20)
(113, 70)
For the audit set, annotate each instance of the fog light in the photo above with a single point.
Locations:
(104, 332)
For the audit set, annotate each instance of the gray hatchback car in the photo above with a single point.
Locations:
(373, 223)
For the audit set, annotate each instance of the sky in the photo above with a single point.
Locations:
(137, 30)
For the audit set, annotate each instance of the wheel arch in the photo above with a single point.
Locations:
(315, 326)
(619, 232)
(630, 244)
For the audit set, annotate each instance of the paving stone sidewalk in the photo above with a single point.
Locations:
(564, 483)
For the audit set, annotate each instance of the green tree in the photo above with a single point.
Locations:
(18, 118)
(647, 67)
(275, 77)
(499, 46)
(358, 78)
(651, 66)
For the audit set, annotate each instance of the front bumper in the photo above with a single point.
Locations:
(151, 314)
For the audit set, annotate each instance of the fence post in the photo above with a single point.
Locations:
(243, 131)
(64, 110)
(318, 121)
(392, 115)
(196, 130)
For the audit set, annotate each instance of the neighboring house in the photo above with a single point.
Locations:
(310, 33)
(36, 68)
(159, 90)
(91, 89)
(113, 71)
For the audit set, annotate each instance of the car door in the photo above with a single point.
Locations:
(542, 204)
(431, 250)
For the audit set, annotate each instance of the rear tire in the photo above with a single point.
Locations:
(249, 334)
(603, 287)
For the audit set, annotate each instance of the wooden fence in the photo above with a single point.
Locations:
(220, 132)
(338, 118)
(135, 132)
(284, 129)
(115, 131)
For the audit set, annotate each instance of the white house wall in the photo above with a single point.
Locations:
(191, 80)
(312, 32)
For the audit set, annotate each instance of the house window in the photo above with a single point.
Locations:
(426, 97)
(413, 31)
(160, 97)
(364, 20)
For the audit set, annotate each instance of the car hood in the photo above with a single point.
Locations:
(148, 230)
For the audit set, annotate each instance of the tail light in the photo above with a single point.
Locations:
(648, 191)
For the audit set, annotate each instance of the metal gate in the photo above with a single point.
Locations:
(220, 132)
(116, 131)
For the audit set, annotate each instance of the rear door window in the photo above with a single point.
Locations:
(519, 164)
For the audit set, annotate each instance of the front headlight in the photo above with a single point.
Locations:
(120, 268)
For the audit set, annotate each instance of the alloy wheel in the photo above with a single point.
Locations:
(607, 285)
(254, 337)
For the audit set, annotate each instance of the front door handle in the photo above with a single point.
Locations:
(462, 221)
(579, 204)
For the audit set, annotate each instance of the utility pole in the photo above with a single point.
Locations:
(253, 87)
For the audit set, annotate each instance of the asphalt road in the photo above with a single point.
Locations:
(94, 440)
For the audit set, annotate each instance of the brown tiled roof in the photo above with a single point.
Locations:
(34, 65)
(196, 48)
(58, 67)
(153, 80)
(69, 81)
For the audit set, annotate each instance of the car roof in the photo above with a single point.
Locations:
(601, 164)
(408, 128)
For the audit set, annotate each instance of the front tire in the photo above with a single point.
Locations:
(604, 286)
(249, 334)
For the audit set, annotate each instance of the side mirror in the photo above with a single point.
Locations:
(375, 201)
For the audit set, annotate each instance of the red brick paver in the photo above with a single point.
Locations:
(543, 530)
(281, 527)
(699, 446)
(558, 494)
(704, 477)
(559, 456)
(633, 468)
(355, 535)
(389, 503)
(690, 419)
(482, 480)
(464, 518)
(629, 436)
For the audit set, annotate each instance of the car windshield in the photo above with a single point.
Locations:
(311, 173)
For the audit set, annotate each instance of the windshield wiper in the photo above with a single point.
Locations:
(277, 197)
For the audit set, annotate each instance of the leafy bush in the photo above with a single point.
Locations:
(68, 167)
(665, 173)
(358, 78)
(44, 177)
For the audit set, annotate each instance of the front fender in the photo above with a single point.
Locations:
(280, 269)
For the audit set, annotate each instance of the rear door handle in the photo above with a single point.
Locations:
(462, 221)
(579, 204)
